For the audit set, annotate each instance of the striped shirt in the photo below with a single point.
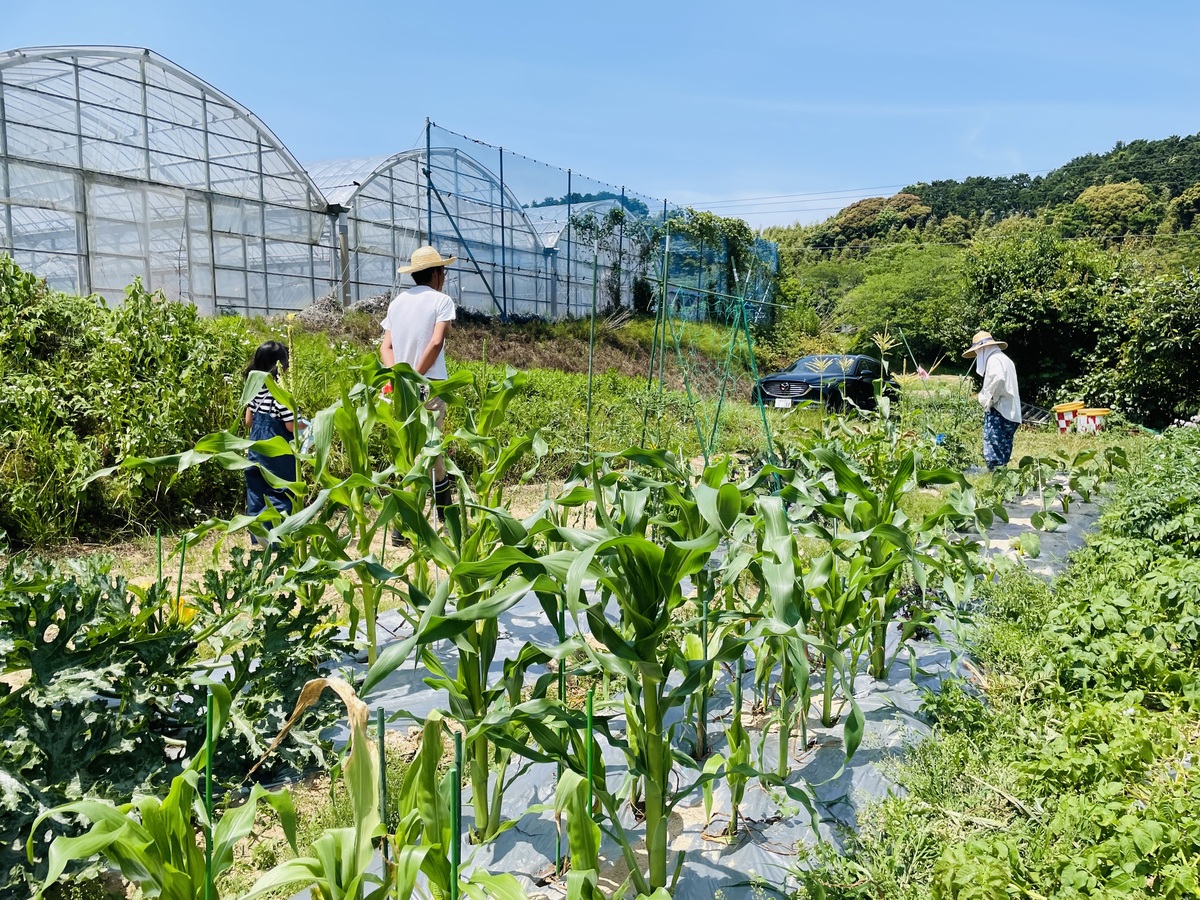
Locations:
(266, 404)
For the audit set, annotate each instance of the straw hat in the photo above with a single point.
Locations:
(425, 258)
(983, 339)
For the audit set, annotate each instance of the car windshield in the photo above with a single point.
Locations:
(831, 365)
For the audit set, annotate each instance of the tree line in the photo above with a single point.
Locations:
(1089, 272)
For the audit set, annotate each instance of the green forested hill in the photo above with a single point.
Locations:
(1090, 272)
(1166, 168)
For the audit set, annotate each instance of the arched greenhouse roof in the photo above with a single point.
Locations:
(341, 179)
(128, 105)
(345, 181)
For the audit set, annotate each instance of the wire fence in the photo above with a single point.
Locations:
(531, 239)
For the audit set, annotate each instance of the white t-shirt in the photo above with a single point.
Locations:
(411, 317)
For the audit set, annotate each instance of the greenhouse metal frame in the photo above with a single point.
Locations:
(117, 164)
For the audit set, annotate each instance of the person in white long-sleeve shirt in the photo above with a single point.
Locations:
(999, 397)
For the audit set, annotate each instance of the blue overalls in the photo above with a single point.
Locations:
(264, 427)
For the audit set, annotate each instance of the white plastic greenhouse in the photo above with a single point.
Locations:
(116, 163)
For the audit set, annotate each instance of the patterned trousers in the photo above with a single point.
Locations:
(997, 439)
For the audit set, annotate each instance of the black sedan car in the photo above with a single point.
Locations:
(829, 378)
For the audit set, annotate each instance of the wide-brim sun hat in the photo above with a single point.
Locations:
(425, 258)
(981, 340)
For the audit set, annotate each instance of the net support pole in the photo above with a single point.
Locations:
(503, 246)
(587, 440)
(687, 384)
(621, 246)
(429, 182)
(662, 305)
(471, 256)
(725, 376)
(754, 375)
(570, 243)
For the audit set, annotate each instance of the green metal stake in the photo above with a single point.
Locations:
(737, 717)
(158, 536)
(456, 815)
(702, 724)
(587, 442)
(182, 560)
(687, 383)
(733, 336)
(562, 697)
(662, 305)
(208, 805)
(716, 429)
(383, 807)
(591, 699)
(771, 458)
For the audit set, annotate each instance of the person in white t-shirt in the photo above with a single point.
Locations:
(414, 332)
(999, 397)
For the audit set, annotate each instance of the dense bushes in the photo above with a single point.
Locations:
(1147, 338)
(1086, 316)
(84, 386)
(1042, 294)
(1089, 273)
(90, 386)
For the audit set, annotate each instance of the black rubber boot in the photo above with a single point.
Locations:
(443, 497)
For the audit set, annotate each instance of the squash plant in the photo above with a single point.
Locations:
(153, 842)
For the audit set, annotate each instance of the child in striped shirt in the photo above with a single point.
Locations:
(266, 418)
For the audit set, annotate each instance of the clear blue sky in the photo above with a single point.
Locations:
(701, 103)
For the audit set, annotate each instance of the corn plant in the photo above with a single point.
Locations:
(840, 590)
(481, 590)
(689, 512)
(573, 796)
(152, 841)
(643, 579)
(426, 840)
(735, 762)
(338, 867)
(861, 516)
(486, 559)
(338, 527)
(784, 611)
(364, 501)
